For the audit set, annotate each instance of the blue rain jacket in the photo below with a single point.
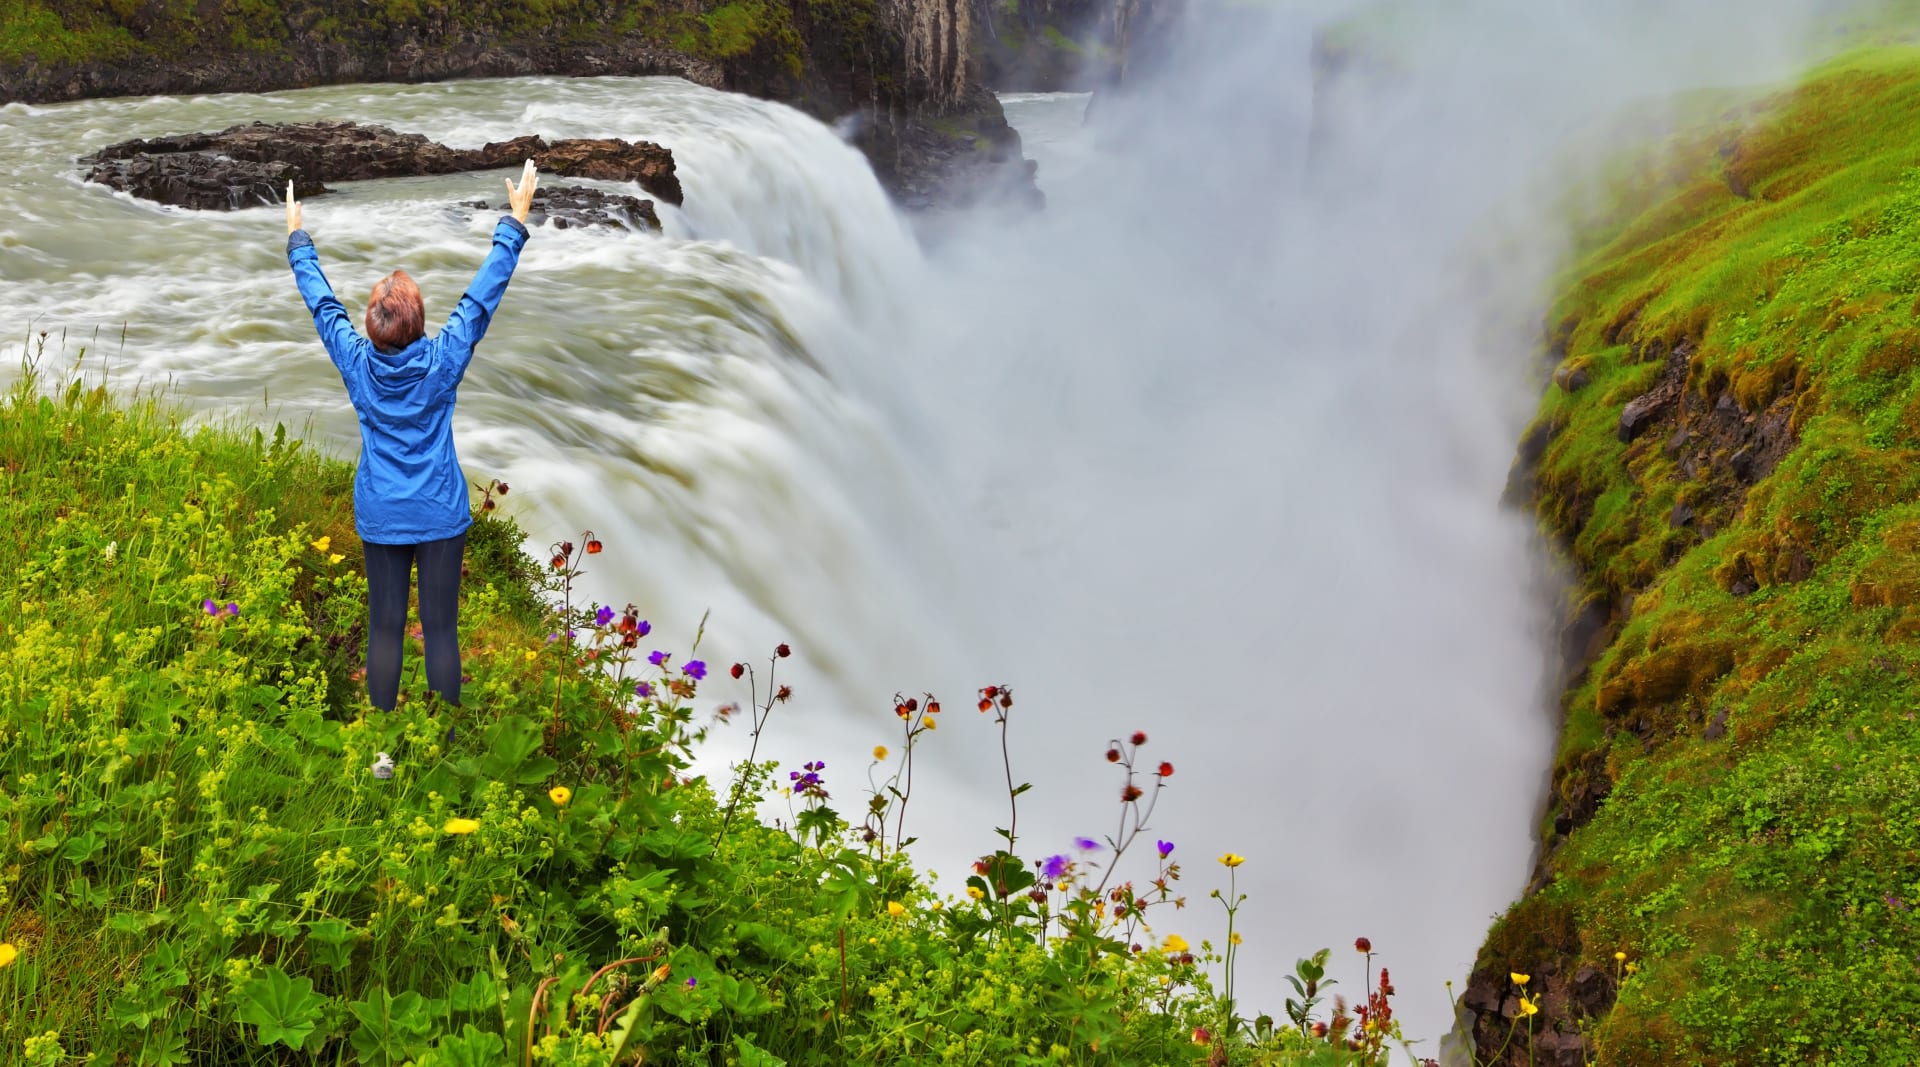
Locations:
(409, 487)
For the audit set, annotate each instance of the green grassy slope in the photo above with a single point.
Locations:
(1757, 546)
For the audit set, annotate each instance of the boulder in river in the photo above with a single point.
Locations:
(244, 165)
(570, 206)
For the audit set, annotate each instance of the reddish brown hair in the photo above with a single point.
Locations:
(395, 316)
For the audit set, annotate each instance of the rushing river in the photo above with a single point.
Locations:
(1211, 449)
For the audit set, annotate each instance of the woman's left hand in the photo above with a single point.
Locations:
(293, 209)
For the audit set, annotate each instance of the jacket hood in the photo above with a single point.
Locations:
(398, 372)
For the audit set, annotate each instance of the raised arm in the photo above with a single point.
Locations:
(474, 313)
(329, 316)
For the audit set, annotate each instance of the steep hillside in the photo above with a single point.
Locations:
(1731, 455)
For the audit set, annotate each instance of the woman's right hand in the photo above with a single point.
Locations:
(293, 210)
(521, 199)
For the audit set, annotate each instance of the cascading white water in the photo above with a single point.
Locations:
(1211, 449)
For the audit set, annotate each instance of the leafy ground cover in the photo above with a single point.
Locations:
(216, 853)
(1737, 796)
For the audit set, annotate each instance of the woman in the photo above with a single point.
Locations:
(409, 497)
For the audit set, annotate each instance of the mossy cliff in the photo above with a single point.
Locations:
(1730, 453)
(898, 61)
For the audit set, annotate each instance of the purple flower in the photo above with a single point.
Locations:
(643, 690)
(551, 638)
(233, 608)
(695, 669)
(1055, 869)
(1166, 848)
(643, 629)
(691, 982)
(1085, 844)
(603, 616)
(658, 659)
(210, 607)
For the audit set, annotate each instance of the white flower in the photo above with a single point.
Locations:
(383, 766)
(108, 552)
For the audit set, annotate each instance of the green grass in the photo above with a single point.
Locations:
(201, 865)
(1763, 883)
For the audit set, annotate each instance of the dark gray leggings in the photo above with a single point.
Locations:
(389, 574)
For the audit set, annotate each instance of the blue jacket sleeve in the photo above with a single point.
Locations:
(329, 315)
(470, 318)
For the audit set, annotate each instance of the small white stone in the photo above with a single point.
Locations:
(382, 766)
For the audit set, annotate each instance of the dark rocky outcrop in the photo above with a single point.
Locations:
(571, 206)
(246, 165)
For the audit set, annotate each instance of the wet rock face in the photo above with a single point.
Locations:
(571, 206)
(246, 165)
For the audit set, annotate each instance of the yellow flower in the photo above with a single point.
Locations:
(1232, 860)
(879, 752)
(461, 826)
(661, 972)
(896, 909)
(1529, 1007)
(323, 544)
(559, 794)
(7, 953)
(931, 724)
(1620, 956)
(335, 558)
(1633, 968)
(1518, 978)
(532, 655)
(1233, 938)
(1176, 943)
(976, 892)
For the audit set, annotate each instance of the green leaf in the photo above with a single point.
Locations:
(473, 1048)
(392, 1029)
(511, 746)
(479, 994)
(80, 849)
(743, 998)
(752, 1055)
(285, 1009)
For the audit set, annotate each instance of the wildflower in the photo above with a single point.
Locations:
(7, 953)
(1166, 770)
(532, 655)
(737, 669)
(559, 794)
(1361, 944)
(1233, 938)
(593, 546)
(933, 707)
(896, 909)
(661, 972)
(659, 658)
(1529, 1007)
(879, 752)
(1620, 957)
(559, 562)
(1165, 847)
(1201, 1036)
(642, 628)
(603, 616)
(461, 826)
(1085, 844)
(107, 553)
(695, 669)
(1234, 860)
(782, 650)
(976, 892)
(233, 608)
(1177, 944)
(931, 724)
(209, 607)
(1113, 755)
(1139, 738)
(382, 766)
(1518, 978)
(1055, 868)
(1130, 794)
(691, 982)
(1633, 968)
(335, 558)
(325, 542)
(642, 690)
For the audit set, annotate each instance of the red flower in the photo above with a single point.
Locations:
(782, 650)
(933, 707)
(559, 562)
(1201, 1036)
(1130, 793)
(593, 547)
(502, 486)
(738, 670)
(1361, 944)
(1139, 737)
(785, 692)
(1113, 755)
(985, 705)
(1166, 770)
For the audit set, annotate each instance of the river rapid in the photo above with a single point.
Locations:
(1212, 449)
